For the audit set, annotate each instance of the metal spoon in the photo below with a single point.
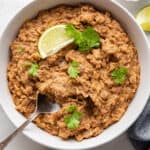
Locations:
(43, 105)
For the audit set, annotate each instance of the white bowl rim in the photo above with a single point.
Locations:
(92, 145)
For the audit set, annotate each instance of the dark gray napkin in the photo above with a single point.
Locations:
(139, 133)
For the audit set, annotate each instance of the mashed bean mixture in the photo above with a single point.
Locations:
(94, 92)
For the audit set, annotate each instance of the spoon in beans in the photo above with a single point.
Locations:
(43, 105)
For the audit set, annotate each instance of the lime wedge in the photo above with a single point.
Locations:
(143, 18)
(53, 40)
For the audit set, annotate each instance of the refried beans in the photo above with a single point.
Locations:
(94, 92)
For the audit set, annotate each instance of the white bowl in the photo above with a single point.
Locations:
(135, 107)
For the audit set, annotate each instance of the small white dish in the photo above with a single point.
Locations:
(135, 108)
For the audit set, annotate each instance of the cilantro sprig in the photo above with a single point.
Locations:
(72, 120)
(71, 108)
(73, 69)
(33, 69)
(119, 75)
(86, 39)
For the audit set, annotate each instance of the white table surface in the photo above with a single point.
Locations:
(7, 10)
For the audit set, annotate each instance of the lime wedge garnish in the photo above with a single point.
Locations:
(143, 18)
(53, 40)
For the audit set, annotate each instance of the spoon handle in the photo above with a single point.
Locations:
(6, 141)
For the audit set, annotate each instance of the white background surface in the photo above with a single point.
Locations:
(7, 10)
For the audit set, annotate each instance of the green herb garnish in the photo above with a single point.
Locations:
(73, 120)
(119, 75)
(73, 69)
(71, 108)
(20, 49)
(33, 69)
(86, 39)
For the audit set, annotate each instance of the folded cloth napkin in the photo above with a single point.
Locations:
(139, 133)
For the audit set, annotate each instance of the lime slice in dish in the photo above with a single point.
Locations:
(143, 18)
(53, 40)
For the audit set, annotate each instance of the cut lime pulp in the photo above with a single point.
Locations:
(53, 40)
(143, 18)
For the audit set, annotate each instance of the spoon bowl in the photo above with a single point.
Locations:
(45, 105)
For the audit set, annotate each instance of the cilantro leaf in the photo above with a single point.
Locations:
(90, 39)
(73, 120)
(33, 69)
(71, 108)
(74, 63)
(20, 49)
(86, 39)
(73, 69)
(72, 32)
(119, 75)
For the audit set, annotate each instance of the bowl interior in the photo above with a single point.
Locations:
(135, 107)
